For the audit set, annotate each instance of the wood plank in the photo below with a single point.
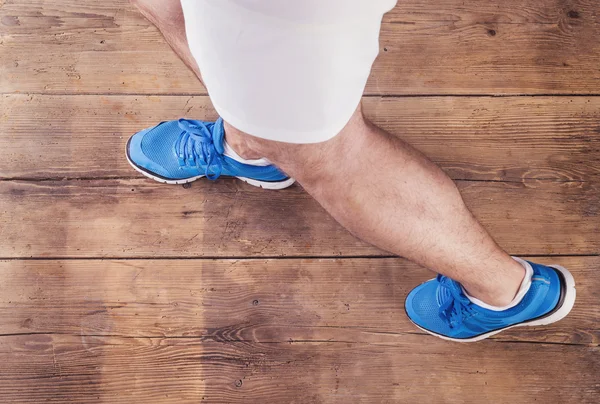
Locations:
(442, 47)
(257, 301)
(489, 47)
(478, 138)
(39, 368)
(142, 218)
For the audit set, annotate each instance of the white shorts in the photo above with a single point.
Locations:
(287, 70)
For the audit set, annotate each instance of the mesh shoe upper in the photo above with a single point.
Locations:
(185, 149)
(441, 307)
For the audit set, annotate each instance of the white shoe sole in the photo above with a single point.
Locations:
(567, 304)
(257, 183)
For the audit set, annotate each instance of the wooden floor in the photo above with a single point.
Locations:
(117, 289)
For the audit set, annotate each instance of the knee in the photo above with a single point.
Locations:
(255, 145)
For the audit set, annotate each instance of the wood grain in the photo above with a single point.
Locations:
(475, 138)
(64, 368)
(442, 47)
(257, 300)
(114, 302)
(305, 331)
(142, 218)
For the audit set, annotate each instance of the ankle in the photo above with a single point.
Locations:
(503, 290)
(500, 297)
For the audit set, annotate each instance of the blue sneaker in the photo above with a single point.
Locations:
(440, 307)
(178, 152)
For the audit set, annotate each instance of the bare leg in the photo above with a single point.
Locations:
(167, 16)
(390, 195)
(381, 189)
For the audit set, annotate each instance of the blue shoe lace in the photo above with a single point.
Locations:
(195, 145)
(456, 307)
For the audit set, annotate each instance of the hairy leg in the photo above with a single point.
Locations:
(390, 195)
(378, 187)
(167, 16)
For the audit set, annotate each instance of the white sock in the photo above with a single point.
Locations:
(523, 289)
(229, 152)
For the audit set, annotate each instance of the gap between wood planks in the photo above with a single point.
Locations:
(399, 95)
(286, 342)
(59, 178)
(253, 257)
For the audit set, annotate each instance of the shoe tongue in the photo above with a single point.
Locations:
(446, 287)
(218, 135)
(442, 294)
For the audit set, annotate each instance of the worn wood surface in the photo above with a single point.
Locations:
(142, 218)
(108, 292)
(255, 300)
(315, 331)
(86, 369)
(427, 47)
(478, 138)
